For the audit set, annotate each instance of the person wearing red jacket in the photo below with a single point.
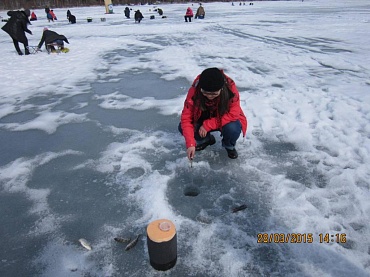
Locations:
(33, 17)
(53, 15)
(189, 14)
(212, 104)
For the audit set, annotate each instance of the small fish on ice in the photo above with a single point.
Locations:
(85, 244)
(122, 240)
(239, 208)
(132, 243)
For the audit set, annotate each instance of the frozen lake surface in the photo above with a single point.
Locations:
(89, 146)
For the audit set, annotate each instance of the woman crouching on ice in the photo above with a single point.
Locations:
(212, 104)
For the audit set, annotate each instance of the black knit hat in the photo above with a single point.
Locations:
(27, 12)
(211, 79)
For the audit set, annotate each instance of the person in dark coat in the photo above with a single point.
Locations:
(51, 37)
(127, 12)
(71, 18)
(138, 16)
(16, 28)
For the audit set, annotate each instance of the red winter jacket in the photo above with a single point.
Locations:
(188, 119)
(189, 12)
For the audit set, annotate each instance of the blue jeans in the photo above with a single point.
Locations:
(59, 42)
(230, 134)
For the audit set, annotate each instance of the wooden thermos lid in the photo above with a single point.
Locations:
(161, 230)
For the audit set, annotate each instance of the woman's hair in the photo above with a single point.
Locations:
(223, 100)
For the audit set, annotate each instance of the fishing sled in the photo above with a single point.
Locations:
(33, 49)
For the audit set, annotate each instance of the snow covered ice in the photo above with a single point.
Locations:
(89, 144)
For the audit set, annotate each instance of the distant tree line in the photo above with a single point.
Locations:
(38, 4)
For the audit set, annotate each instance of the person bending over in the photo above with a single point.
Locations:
(51, 37)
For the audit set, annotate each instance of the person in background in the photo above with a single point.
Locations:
(49, 16)
(51, 37)
(53, 15)
(47, 10)
(16, 27)
(33, 16)
(189, 14)
(160, 11)
(200, 12)
(127, 12)
(212, 104)
(138, 16)
(71, 18)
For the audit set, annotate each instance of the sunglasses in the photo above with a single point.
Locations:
(214, 93)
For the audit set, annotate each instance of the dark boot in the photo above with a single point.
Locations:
(202, 146)
(233, 154)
